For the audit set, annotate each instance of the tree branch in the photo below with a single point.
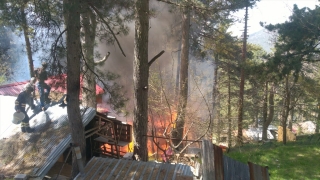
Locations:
(155, 58)
(213, 9)
(56, 42)
(102, 60)
(101, 17)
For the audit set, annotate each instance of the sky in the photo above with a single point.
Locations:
(269, 11)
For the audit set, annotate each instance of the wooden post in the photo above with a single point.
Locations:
(207, 160)
(218, 162)
(258, 172)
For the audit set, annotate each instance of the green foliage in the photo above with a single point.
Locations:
(44, 22)
(297, 41)
(117, 21)
(40, 20)
(162, 105)
(5, 46)
(207, 19)
(116, 95)
(105, 23)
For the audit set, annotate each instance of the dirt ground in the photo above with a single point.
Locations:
(64, 169)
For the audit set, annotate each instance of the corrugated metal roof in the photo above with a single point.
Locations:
(35, 153)
(109, 168)
(12, 89)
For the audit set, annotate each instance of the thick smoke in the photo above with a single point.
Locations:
(162, 25)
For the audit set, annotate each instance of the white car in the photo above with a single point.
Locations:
(256, 133)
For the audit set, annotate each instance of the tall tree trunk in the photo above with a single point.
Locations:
(73, 80)
(285, 112)
(89, 25)
(214, 129)
(229, 109)
(271, 110)
(219, 121)
(178, 73)
(27, 40)
(256, 120)
(265, 112)
(140, 79)
(290, 120)
(183, 95)
(318, 117)
(241, 91)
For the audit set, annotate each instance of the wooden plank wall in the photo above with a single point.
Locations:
(207, 160)
(216, 166)
(218, 161)
(234, 170)
(258, 172)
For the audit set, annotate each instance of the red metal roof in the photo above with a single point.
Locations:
(12, 89)
(57, 84)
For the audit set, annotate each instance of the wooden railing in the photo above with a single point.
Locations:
(109, 135)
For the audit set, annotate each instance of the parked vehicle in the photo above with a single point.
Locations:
(256, 133)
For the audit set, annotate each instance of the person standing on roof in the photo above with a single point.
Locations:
(22, 100)
(44, 89)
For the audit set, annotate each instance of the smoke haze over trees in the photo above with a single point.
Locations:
(280, 84)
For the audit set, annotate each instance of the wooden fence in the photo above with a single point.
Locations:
(216, 166)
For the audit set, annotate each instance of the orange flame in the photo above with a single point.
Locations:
(159, 125)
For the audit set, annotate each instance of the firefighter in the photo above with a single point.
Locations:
(20, 106)
(30, 84)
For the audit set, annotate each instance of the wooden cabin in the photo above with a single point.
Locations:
(108, 136)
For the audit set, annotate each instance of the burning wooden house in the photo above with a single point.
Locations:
(109, 136)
